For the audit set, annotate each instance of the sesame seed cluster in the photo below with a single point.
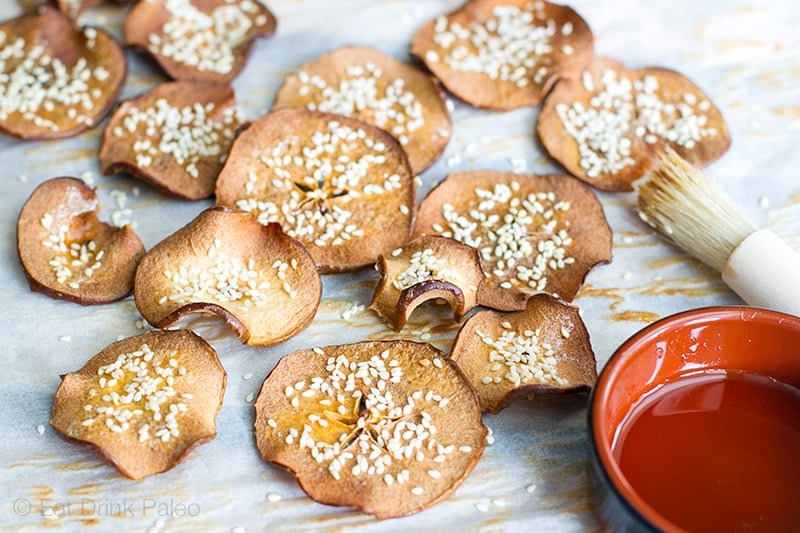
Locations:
(38, 87)
(504, 54)
(375, 428)
(206, 41)
(369, 413)
(621, 107)
(508, 46)
(228, 280)
(521, 358)
(425, 266)
(317, 179)
(139, 393)
(520, 237)
(188, 134)
(392, 108)
(544, 348)
(72, 262)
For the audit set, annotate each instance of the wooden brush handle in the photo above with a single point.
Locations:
(765, 272)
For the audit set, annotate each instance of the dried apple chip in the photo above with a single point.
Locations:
(175, 137)
(341, 187)
(386, 427)
(200, 40)
(427, 268)
(144, 402)
(260, 281)
(503, 54)
(543, 349)
(67, 253)
(58, 80)
(534, 233)
(361, 82)
(603, 125)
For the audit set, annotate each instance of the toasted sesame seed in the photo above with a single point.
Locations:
(148, 401)
(505, 47)
(365, 93)
(43, 82)
(189, 135)
(425, 266)
(602, 130)
(193, 37)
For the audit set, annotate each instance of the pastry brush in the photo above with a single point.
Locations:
(680, 202)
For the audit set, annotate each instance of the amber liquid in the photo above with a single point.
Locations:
(718, 451)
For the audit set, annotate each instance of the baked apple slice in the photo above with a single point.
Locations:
(504, 54)
(427, 268)
(260, 281)
(341, 187)
(544, 349)
(386, 427)
(604, 125)
(144, 403)
(534, 233)
(200, 40)
(67, 252)
(175, 137)
(58, 80)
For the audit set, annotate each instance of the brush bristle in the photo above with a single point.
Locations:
(683, 205)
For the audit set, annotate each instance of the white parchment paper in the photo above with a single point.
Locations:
(744, 53)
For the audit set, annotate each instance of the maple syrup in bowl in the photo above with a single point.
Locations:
(695, 424)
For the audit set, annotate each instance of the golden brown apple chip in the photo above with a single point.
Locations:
(67, 253)
(58, 80)
(364, 83)
(427, 268)
(338, 185)
(503, 54)
(176, 137)
(603, 125)
(542, 349)
(534, 233)
(200, 40)
(144, 402)
(261, 281)
(386, 427)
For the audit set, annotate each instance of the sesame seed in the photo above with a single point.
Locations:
(503, 47)
(366, 94)
(273, 497)
(249, 397)
(602, 130)
(482, 507)
(530, 488)
(188, 135)
(147, 402)
(43, 82)
(40, 429)
(247, 376)
(417, 491)
(425, 266)
(193, 37)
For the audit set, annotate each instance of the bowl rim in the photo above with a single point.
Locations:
(608, 469)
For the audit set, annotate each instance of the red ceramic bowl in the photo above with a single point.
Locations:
(755, 341)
